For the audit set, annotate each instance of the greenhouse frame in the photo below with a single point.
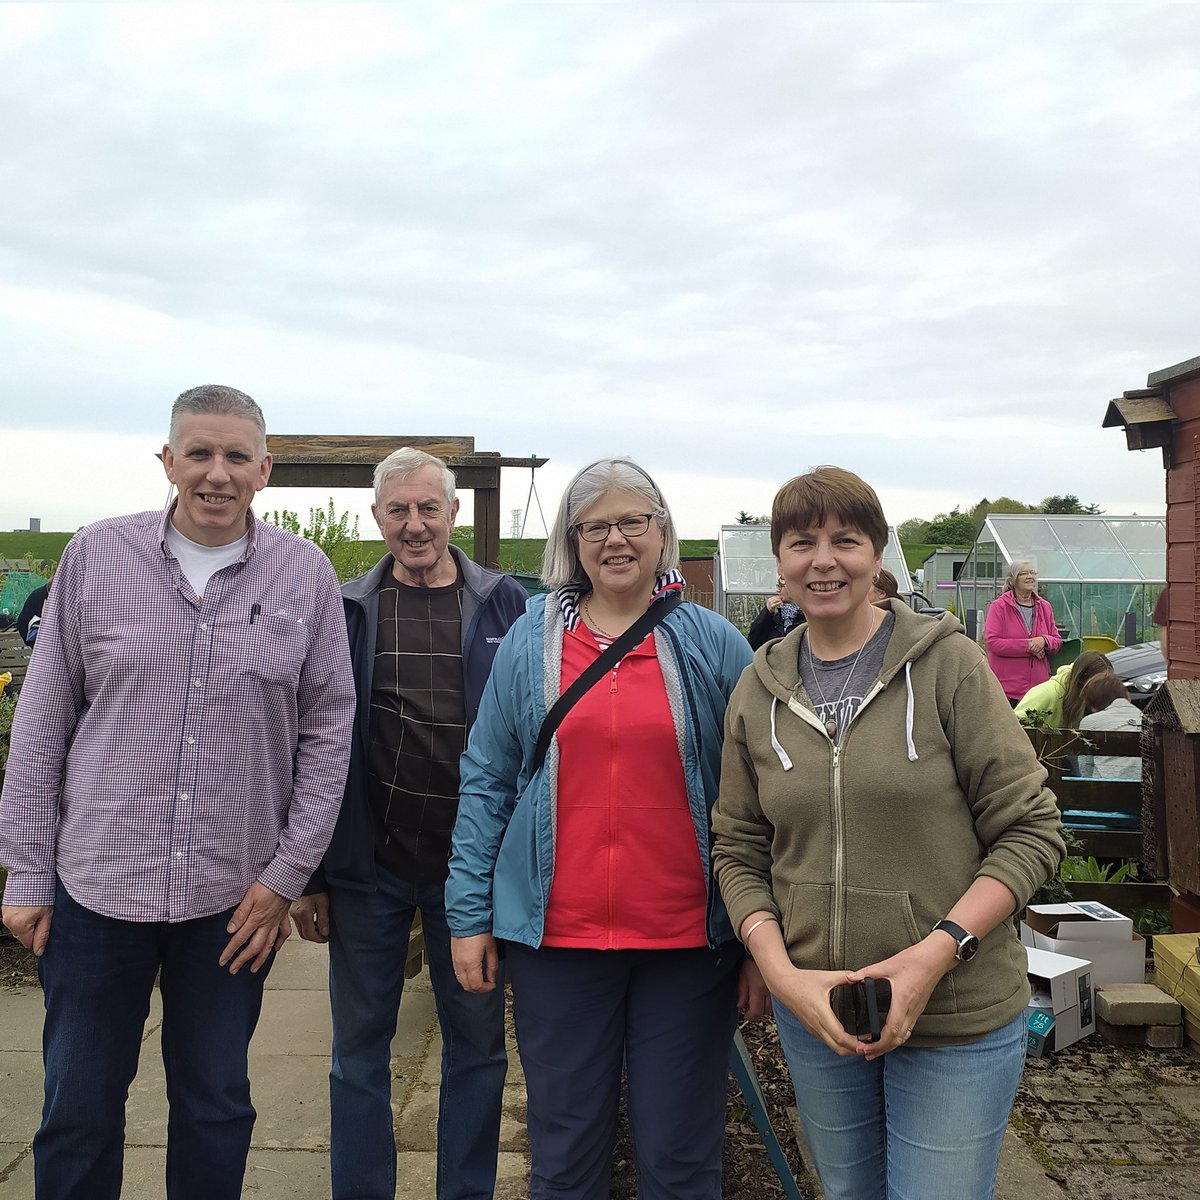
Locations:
(1092, 569)
(745, 571)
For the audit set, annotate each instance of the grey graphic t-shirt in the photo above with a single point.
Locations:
(837, 688)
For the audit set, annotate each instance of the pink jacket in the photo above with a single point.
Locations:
(1008, 644)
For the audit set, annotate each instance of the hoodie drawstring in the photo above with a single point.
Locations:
(908, 714)
(782, 754)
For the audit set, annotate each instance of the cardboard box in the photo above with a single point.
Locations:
(1062, 989)
(1092, 931)
(1177, 970)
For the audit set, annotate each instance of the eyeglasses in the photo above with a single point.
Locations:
(597, 531)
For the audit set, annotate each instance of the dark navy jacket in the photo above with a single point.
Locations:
(491, 602)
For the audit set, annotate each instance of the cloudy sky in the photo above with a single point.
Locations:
(925, 242)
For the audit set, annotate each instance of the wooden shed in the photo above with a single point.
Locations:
(1166, 414)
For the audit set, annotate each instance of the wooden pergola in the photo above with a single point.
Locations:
(348, 461)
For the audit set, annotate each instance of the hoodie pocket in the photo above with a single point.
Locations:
(806, 925)
(882, 923)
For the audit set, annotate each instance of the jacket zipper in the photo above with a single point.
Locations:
(837, 922)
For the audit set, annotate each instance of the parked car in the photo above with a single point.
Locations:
(1141, 668)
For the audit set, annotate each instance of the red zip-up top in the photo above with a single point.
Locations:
(627, 870)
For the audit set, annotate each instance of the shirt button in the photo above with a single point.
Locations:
(203, 624)
(198, 682)
(183, 795)
(178, 853)
(191, 741)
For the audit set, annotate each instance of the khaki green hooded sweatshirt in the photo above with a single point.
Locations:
(861, 849)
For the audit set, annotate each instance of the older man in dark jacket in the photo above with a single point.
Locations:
(424, 626)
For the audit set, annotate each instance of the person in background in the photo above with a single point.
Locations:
(882, 815)
(1106, 705)
(1160, 617)
(31, 614)
(177, 763)
(1058, 702)
(778, 615)
(425, 623)
(592, 867)
(1020, 633)
(885, 587)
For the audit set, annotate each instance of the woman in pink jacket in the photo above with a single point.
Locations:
(1020, 633)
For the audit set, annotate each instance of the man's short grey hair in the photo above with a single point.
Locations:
(1015, 568)
(408, 460)
(216, 399)
(560, 562)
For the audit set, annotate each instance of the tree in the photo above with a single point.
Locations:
(912, 531)
(951, 529)
(744, 518)
(1066, 505)
(333, 534)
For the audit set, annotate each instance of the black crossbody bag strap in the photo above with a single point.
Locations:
(606, 662)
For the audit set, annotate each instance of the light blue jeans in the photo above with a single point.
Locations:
(920, 1123)
(367, 940)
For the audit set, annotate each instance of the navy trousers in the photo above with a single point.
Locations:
(97, 975)
(668, 1016)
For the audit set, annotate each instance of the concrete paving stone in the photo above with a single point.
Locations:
(299, 966)
(21, 1016)
(1163, 1037)
(294, 1022)
(291, 1095)
(12, 1154)
(1136, 1004)
(16, 1180)
(1021, 1176)
(1130, 1183)
(21, 1094)
(514, 1133)
(417, 1171)
(1185, 1099)
(416, 1123)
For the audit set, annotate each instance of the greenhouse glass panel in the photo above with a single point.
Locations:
(1031, 539)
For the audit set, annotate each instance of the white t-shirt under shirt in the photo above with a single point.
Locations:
(200, 563)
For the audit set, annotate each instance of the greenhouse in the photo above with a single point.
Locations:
(1092, 569)
(744, 570)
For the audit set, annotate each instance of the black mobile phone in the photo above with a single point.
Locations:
(863, 1007)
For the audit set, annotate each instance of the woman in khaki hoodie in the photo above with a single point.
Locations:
(882, 814)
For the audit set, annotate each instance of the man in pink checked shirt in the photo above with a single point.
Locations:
(178, 759)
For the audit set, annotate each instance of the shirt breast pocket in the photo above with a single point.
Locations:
(274, 648)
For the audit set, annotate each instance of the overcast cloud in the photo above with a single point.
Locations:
(735, 240)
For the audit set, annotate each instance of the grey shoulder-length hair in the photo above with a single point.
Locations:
(560, 562)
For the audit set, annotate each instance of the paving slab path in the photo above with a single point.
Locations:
(1105, 1123)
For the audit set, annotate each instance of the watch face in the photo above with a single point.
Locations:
(967, 948)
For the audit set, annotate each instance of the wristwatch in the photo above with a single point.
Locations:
(966, 944)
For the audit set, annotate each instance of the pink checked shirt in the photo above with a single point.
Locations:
(168, 751)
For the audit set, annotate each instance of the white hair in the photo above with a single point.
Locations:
(407, 461)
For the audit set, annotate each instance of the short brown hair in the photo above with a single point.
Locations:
(807, 501)
(1101, 690)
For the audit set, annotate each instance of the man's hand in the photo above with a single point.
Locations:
(259, 925)
(476, 961)
(29, 924)
(311, 914)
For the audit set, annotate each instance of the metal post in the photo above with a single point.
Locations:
(747, 1078)
(972, 615)
(1130, 628)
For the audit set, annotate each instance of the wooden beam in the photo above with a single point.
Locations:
(355, 448)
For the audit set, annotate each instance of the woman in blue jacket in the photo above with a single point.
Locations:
(592, 867)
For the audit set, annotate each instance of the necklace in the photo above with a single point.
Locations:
(587, 616)
(831, 725)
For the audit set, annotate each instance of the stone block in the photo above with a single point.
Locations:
(1136, 1004)
(1157, 1037)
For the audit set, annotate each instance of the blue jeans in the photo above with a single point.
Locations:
(668, 1016)
(368, 935)
(920, 1123)
(97, 975)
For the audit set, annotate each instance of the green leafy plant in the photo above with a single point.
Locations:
(1150, 921)
(334, 535)
(1077, 869)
